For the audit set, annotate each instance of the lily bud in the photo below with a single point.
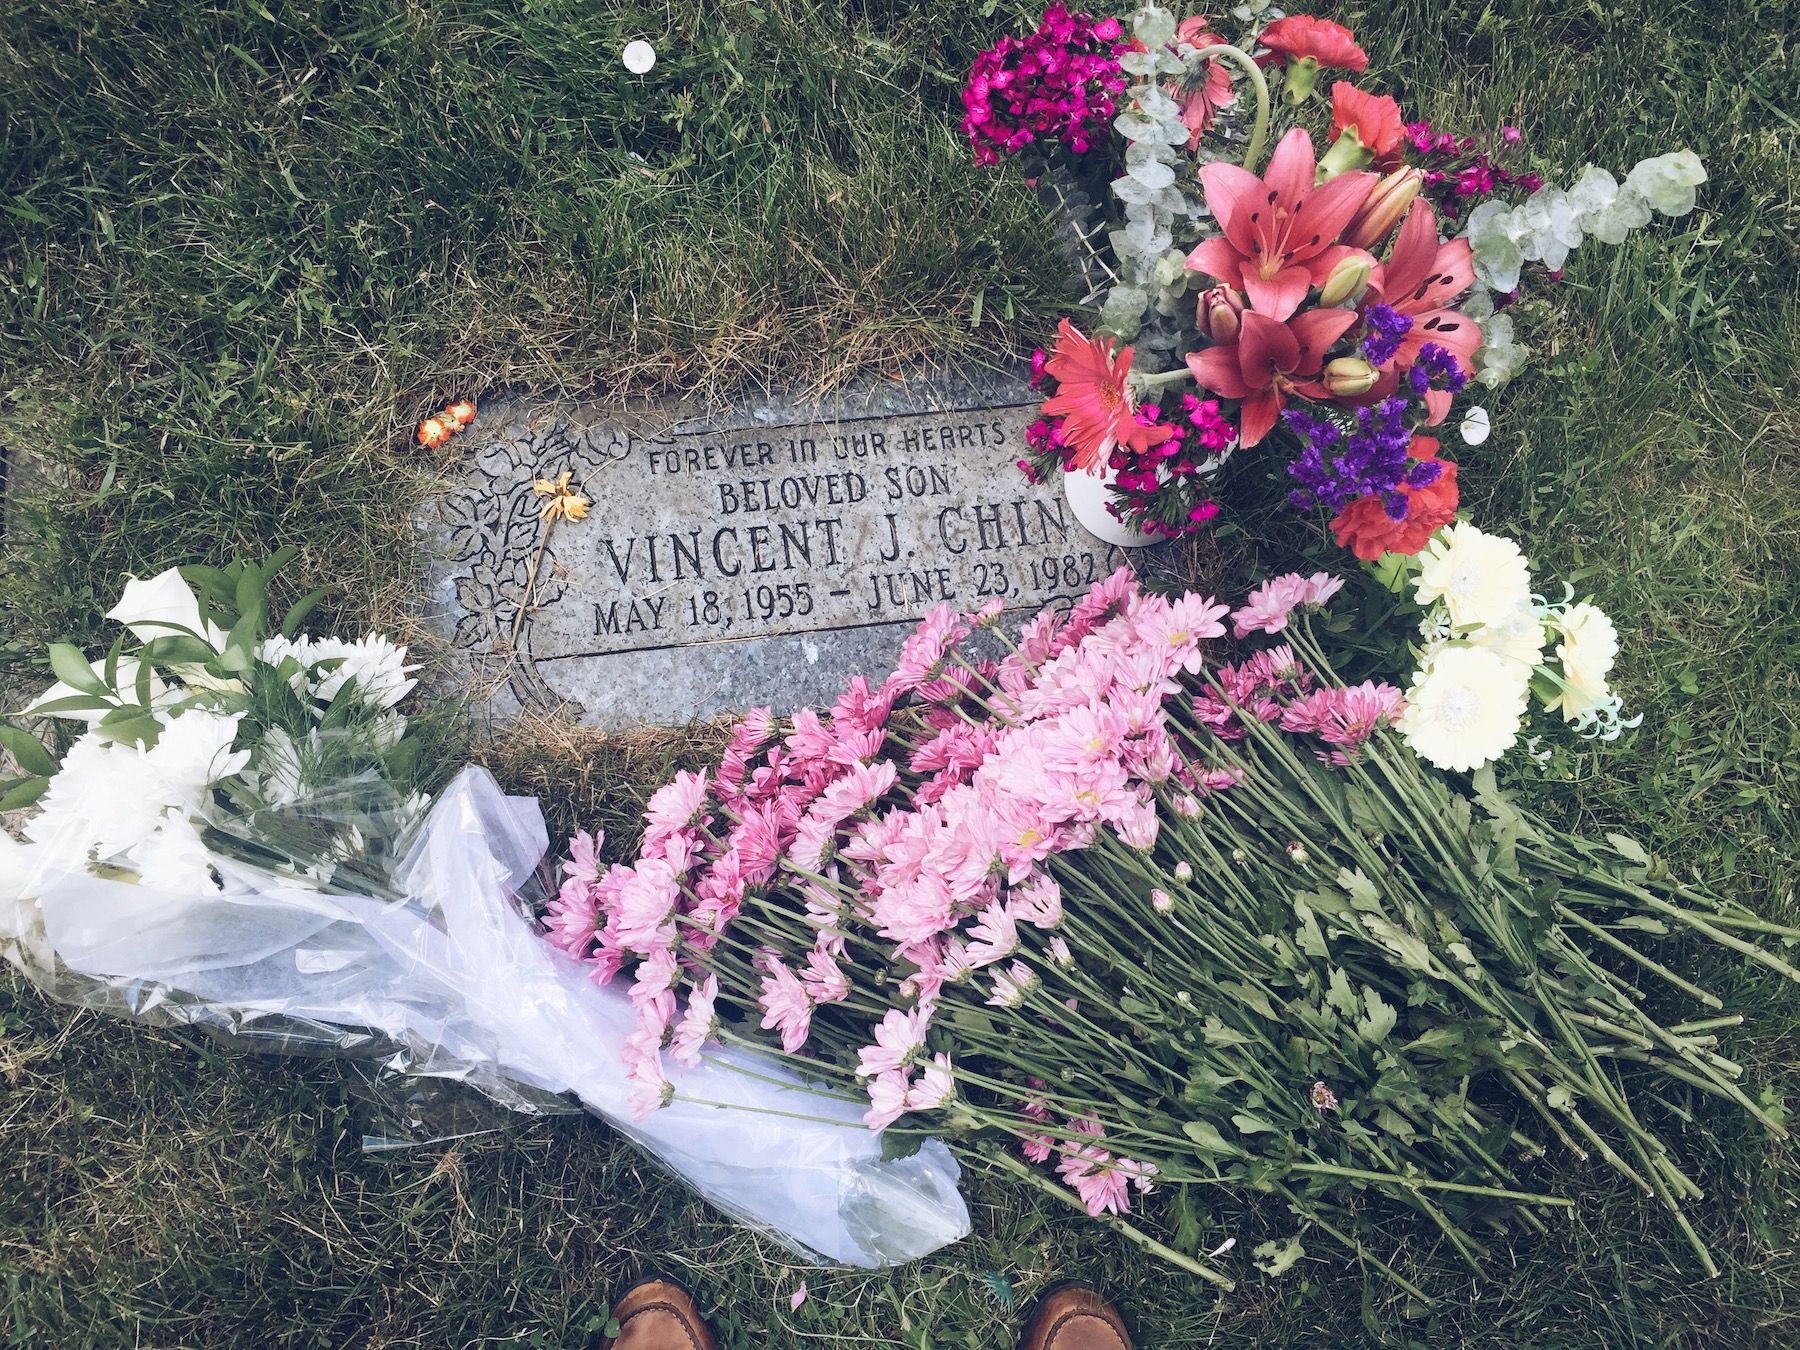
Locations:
(1301, 78)
(1349, 376)
(1384, 208)
(1219, 314)
(1347, 281)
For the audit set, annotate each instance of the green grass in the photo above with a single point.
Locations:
(244, 247)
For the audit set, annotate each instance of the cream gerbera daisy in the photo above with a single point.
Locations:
(1465, 707)
(1589, 646)
(1481, 578)
(1518, 636)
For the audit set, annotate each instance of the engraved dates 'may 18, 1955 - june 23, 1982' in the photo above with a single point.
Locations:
(718, 550)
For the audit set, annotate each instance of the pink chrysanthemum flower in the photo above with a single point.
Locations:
(1182, 626)
(698, 1024)
(898, 1038)
(1012, 985)
(935, 1086)
(572, 919)
(887, 1099)
(674, 806)
(824, 982)
(584, 856)
(1037, 901)
(995, 934)
(786, 1006)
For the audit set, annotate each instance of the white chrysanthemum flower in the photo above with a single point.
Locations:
(1465, 708)
(1589, 645)
(1481, 578)
(377, 665)
(1518, 636)
(194, 752)
(174, 859)
(106, 798)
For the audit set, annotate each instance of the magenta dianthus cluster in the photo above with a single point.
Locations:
(1459, 171)
(1060, 83)
(1173, 465)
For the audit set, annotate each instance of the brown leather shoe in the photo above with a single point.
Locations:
(657, 1315)
(1075, 1318)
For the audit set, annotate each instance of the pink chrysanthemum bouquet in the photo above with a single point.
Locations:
(1152, 901)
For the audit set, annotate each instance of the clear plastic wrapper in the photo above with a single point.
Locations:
(417, 953)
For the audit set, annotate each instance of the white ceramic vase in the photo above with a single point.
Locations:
(1088, 495)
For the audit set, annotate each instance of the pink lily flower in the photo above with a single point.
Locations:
(1269, 360)
(1279, 233)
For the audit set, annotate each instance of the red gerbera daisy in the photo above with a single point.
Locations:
(1094, 399)
(1302, 35)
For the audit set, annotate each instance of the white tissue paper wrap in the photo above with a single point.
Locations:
(451, 980)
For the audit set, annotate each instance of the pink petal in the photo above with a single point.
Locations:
(1314, 332)
(1265, 347)
(1216, 368)
(1218, 257)
(1278, 296)
(1323, 216)
(798, 1296)
(1232, 194)
(1414, 249)
(1290, 171)
(1260, 411)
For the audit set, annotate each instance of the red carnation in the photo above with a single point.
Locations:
(1374, 117)
(1367, 530)
(1301, 35)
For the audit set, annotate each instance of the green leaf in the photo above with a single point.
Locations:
(178, 649)
(1205, 1134)
(28, 750)
(1217, 1033)
(69, 703)
(1342, 993)
(1362, 892)
(131, 726)
(1375, 1024)
(1251, 1124)
(1277, 1258)
(301, 610)
(74, 670)
(111, 674)
(1627, 847)
(24, 794)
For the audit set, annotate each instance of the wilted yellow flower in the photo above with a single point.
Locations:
(562, 501)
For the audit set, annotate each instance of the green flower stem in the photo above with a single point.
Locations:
(1259, 129)
(1352, 1245)
(1618, 945)
(1182, 1259)
(1681, 1218)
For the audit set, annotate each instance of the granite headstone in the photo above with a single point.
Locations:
(759, 554)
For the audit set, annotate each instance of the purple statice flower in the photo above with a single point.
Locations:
(1319, 436)
(1386, 326)
(1435, 368)
(1335, 469)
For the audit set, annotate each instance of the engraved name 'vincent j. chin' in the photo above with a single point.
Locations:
(811, 528)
